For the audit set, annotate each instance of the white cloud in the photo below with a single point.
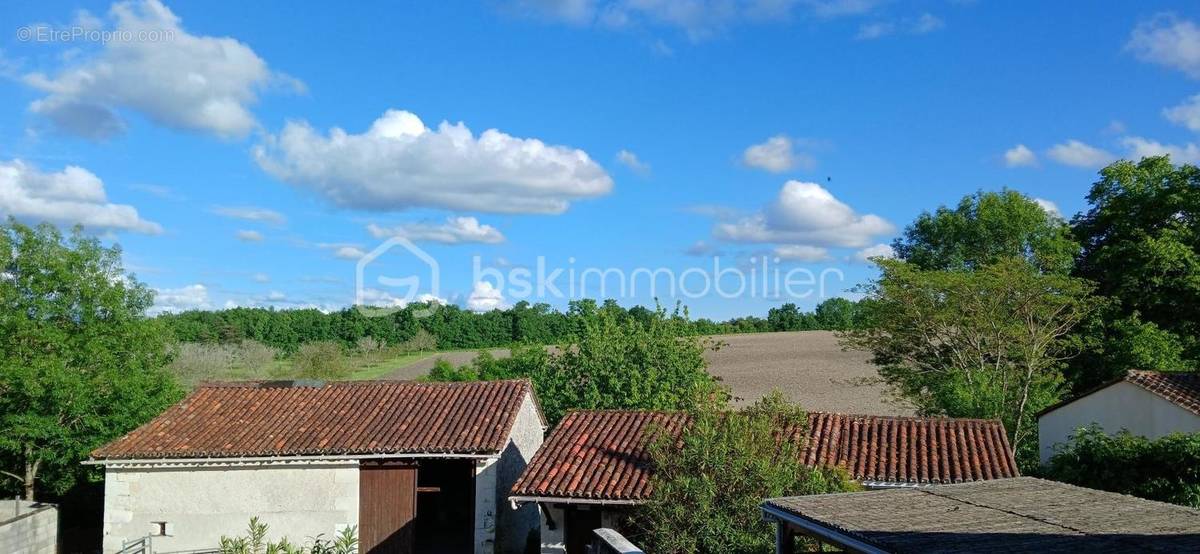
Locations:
(1139, 148)
(871, 31)
(176, 79)
(1019, 156)
(455, 230)
(73, 195)
(878, 251)
(702, 248)
(1167, 40)
(348, 252)
(190, 297)
(924, 24)
(250, 213)
(398, 163)
(777, 154)
(383, 299)
(1078, 154)
(249, 236)
(630, 160)
(276, 296)
(808, 214)
(261, 278)
(801, 253)
(485, 298)
(1049, 206)
(1186, 114)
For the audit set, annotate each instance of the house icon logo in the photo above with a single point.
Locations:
(367, 299)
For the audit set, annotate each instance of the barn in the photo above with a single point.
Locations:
(1149, 404)
(417, 467)
(595, 464)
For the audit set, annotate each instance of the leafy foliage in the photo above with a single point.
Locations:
(709, 483)
(79, 363)
(610, 362)
(987, 343)
(1141, 246)
(833, 314)
(985, 228)
(255, 542)
(1166, 469)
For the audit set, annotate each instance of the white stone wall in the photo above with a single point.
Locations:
(202, 503)
(28, 527)
(517, 525)
(1119, 406)
(485, 505)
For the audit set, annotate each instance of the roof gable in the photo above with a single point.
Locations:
(601, 455)
(1179, 388)
(338, 418)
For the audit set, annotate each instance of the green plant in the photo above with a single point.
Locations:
(321, 360)
(254, 541)
(1166, 469)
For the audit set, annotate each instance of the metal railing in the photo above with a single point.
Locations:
(608, 541)
(137, 546)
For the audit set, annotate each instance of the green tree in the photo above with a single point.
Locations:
(988, 343)
(1165, 469)
(836, 314)
(984, 228)
(79, 363)
(709, 482)
(1141, 246)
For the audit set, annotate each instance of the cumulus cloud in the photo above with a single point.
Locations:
(399, 163)
(1186, 114)
(1049, 206)
(1139, 148)
(249, 236)
(71, 196)
(1078, 154)
(808, 214)
(923, 24)
(261, 278)
(154, 67)
(1167, 40)
(878, 251)
(346, 251)
(190, 297)
(456, 230)
(777, 154)
(631, 160)
(1019, 156)
(382, 299)
(251, 213)
(485, 298)
(801, 253)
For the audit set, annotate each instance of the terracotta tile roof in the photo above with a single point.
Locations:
(1179, 388)
(601, 455)
(352, 418)
(1182, 389)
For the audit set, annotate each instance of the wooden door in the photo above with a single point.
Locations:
(387, 507)
(580, 524)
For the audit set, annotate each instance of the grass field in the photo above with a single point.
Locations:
(809, 367)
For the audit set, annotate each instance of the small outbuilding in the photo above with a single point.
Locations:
(416, 467)
(594, 466)
(1010, 515)
(1150, 404)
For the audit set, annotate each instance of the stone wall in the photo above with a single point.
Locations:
(28, 527)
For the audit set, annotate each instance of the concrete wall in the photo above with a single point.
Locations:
(517, 526)
(202, 503)
(28, 527)
(554, 541)
(1119, 406)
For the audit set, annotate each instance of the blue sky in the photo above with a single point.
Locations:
(200, 136)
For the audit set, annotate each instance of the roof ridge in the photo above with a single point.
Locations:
(321, 383)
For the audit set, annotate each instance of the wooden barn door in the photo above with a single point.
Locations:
(387, 507)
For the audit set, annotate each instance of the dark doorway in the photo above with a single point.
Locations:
(387, 507)
(446, 506)
(581, 521)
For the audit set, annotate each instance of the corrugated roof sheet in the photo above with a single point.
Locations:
(601, 455)
(1013, 515)
(339, 418)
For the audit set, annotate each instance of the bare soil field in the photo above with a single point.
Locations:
(809, 367)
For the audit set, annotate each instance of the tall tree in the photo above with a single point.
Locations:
(984, 228)
(1141, 246)
(987, 343)
(79, 362)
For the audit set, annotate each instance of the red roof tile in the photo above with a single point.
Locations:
(343, 418)
(1182, 389)
(601, 455)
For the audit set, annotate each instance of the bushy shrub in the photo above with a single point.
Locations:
(1166, 469)
(255, 542)
(320, 360)
(193, 362)
(422, 341)
(254, 356)
(368, 345)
